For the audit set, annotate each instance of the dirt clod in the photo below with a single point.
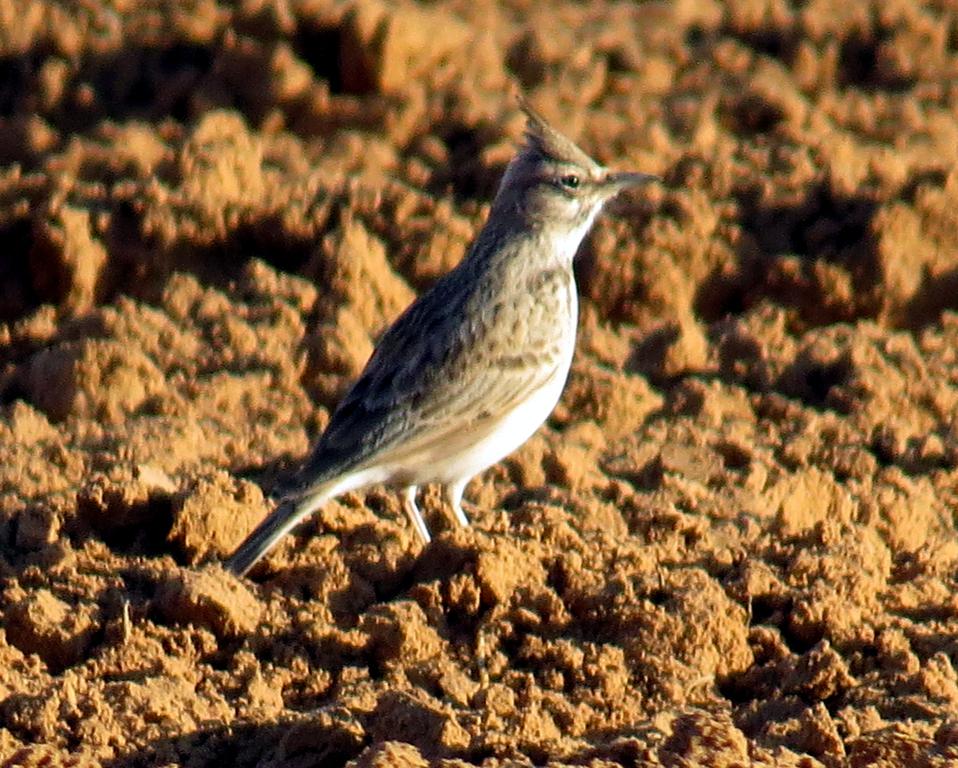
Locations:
(211, 599)
(43, 624)
(734, 541)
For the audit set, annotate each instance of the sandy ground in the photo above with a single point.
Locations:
(733, 544)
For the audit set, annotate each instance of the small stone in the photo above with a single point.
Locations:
(400, 632)
(425, 724)
(209, 598)
(503, 568)
(391, 754)
(214, 515)
(57, 632)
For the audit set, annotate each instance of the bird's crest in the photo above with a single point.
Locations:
(546, 141)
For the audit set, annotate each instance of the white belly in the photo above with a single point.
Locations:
(440, 465)
(510, 433)
(515, 427)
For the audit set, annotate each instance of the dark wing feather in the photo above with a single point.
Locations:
(377, 408)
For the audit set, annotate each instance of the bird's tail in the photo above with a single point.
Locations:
(276, 525)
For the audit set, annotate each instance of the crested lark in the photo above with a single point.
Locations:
(472, 368)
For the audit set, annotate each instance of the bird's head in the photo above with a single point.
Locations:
(552, 183)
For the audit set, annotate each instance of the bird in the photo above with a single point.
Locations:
(475, 365)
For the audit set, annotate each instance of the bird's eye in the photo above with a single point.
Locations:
(570, 181)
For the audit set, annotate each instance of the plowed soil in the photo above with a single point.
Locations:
(734, 543)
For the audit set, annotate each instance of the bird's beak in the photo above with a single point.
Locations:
(619, 180)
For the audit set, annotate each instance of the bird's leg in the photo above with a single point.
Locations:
(415, 516)
(453, 494)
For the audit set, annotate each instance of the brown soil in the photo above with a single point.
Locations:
(735, 541)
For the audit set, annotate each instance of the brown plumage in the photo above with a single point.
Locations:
(472, 368)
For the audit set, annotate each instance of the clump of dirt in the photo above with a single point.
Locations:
(734, 542)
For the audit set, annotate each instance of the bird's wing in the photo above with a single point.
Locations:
(466, 412)
(425, 385)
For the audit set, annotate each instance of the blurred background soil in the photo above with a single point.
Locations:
(734, 543)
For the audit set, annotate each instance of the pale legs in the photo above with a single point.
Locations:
(453, 496)
(413, 513)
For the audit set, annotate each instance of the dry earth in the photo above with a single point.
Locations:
(733, 544)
